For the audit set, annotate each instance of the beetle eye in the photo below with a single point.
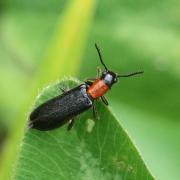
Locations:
(104, 73)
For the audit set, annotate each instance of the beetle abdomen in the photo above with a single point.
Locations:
(60, 109)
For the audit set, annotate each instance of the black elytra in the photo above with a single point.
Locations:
(65, 107)
(61, 109)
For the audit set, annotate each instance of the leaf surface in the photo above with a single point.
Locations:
(93, 149)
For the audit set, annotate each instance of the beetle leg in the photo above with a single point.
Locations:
(99, 72)
(89, 83)
(104, 100)
(90, 79)
(95, 112)
(63, 88)
(70, 125)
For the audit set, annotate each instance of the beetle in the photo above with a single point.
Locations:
(65, 107)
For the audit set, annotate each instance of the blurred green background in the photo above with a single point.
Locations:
(133, 35)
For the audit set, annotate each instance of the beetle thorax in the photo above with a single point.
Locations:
(98, 89)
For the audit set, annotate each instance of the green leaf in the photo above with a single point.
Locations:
(92, 150)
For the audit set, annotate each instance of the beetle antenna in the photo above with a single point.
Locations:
(100, 56)
(131, 74)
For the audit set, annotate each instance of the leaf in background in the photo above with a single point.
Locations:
(63, 57)
(91, 150)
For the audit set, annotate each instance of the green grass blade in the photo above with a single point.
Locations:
(62, 57)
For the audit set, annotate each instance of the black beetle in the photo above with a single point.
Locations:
(65, 107)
